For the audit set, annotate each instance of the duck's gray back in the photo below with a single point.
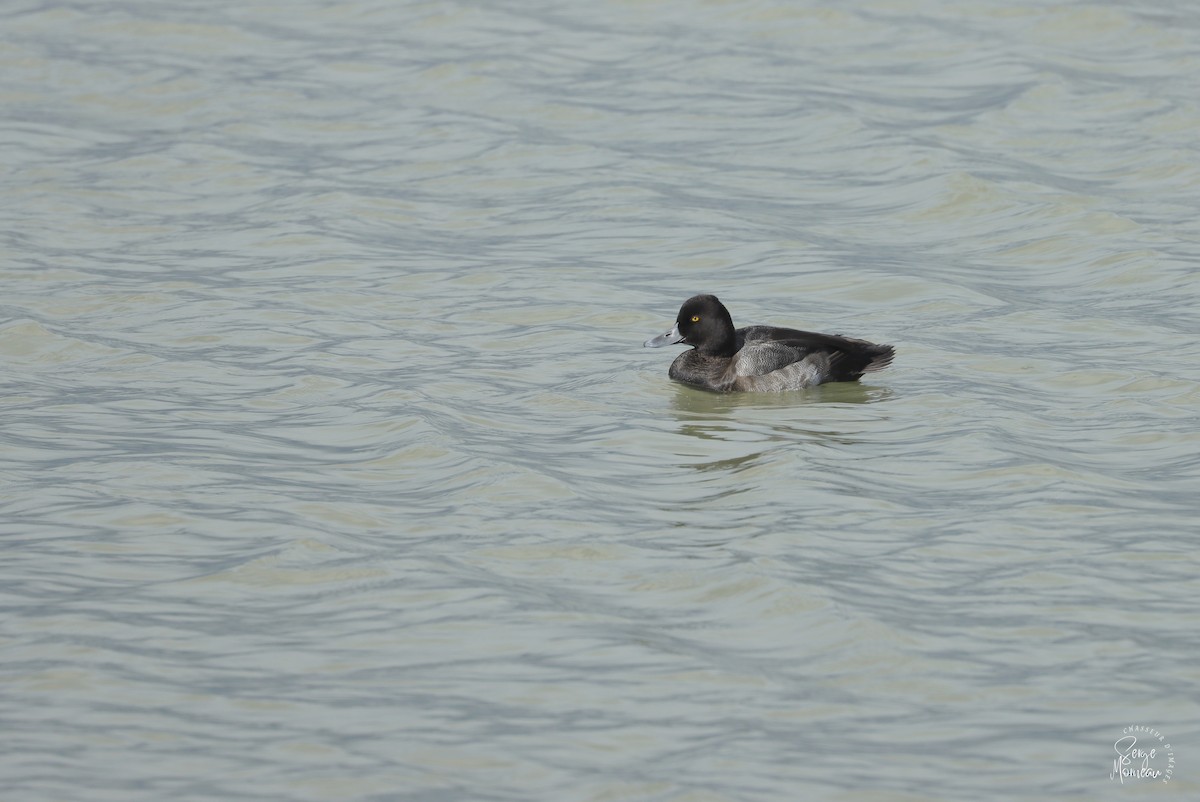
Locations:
(757, 358)
(774, 367)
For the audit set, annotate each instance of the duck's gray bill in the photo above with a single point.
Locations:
(670, 338)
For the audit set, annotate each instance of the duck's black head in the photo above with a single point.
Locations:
(703, 323)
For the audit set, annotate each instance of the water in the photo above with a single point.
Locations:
(333, 466)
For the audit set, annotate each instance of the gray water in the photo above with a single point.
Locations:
(334, 469)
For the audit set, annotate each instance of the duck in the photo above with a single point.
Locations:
(761, 358)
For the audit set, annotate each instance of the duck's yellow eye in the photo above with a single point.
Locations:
(695, 318)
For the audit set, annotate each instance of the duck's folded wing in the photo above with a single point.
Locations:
(853, 356)
(806, 341)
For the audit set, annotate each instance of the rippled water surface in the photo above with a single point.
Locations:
(334, 469)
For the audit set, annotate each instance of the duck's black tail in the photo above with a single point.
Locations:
(856, 357)
(880, 357)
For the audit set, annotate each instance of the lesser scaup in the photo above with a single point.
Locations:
(761, 358)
